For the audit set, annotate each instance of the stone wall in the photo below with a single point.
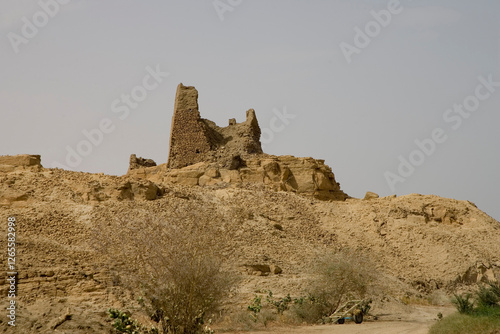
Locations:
(189, 142)
(194, 139)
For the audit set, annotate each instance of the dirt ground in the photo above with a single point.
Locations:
(417, 322)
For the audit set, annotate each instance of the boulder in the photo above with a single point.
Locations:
(371, 195)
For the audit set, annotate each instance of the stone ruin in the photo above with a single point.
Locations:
(194, 139)
(204, 154)
(136, 162)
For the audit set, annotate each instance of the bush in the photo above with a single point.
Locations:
(486, 297)
(463, 303)
(308, 311)
(175, 267)
(342, 276)
(281, 304)
(123, 324)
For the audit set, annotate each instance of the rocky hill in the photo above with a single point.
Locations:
(283, 213)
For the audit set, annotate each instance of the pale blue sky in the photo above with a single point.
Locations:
(267, 55)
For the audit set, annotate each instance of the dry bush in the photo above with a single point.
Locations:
(174, 264)
(308, 312)
(340, 277)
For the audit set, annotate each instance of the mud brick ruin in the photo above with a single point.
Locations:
(194, 139)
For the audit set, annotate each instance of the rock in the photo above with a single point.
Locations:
(136, 162)
(21, 160)
(480, 273)
(207, 181)
(371, 195)
(234, 163)
(258, 269)
(125, 191)
(230, 176)
(212, 172)
(10, 196)
(147, 190)
(276, 270)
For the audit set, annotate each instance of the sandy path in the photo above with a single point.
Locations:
(382, 327)
(417, 322)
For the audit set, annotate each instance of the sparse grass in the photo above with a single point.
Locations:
(471, 324)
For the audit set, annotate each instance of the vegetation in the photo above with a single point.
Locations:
(463, 303)
(174, 266)
(462, 323)
(478, 316)
(341, 277)
(281, 304)
(255, 307)
(123, 324)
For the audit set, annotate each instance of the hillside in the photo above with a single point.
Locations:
(422, 243)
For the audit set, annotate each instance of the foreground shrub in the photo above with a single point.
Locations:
(467, 324)
(174, 265)
(483, 319)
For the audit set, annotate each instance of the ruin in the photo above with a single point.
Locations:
(204, 154)
(194, 139)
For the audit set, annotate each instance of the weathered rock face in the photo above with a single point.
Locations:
(9, 163)
(194, 139)
(305, 176)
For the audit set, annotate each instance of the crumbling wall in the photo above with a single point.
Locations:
(136, 162)
(189, 142)
(194, 139)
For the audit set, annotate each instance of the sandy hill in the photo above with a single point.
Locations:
(422, 243)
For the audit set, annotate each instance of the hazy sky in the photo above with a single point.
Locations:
(397, 96)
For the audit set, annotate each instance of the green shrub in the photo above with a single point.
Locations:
(281, 304)
(463, 303)
(255, 307)
(466, 324)
(495, 288)
(124, 324)
(488, 296)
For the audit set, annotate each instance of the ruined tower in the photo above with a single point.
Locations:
(194, 139)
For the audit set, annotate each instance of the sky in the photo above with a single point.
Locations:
(398, 97)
